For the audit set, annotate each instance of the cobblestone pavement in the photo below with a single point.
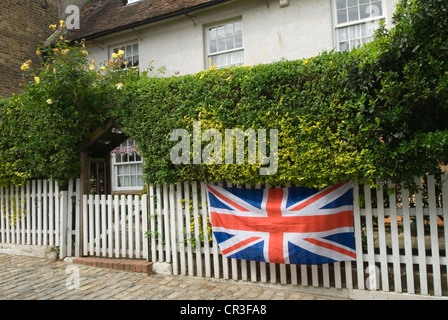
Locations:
(30, 278)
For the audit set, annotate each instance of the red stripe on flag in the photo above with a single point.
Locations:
(239, 245)
(293, 224)
(331, 247)
(227, 200)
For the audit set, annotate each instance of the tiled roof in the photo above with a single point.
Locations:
(101, 17)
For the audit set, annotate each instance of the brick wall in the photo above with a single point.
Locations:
(23, 26)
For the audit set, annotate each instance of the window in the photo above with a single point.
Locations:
(356, 21)
(130, 54)
(225, 45)
(127, 167)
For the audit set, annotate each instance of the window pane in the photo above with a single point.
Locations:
(229, 43)
(213, 47)
(364, 11)
(213, 61)
(212, 34)
(135, 49)
(354, 32)
(221, 45)
(221, 32)
(352, 3)
(123, 182)
(341, 4)
(343, 46)
(231, 59)
(366, 40)
(229, 30)
(366, 29)
(135, 61)
(377, 9)
(238, 28)
(363, 1)
(343, 34)
(240, 55)
(133, 181)
(221, 60)
(353, 14)
(342, 16)
(355, 43)
(238, 41)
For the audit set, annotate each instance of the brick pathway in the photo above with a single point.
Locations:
(29, 278)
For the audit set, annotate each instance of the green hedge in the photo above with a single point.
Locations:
(377, 112)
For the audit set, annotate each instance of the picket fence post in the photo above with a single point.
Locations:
(63, 226)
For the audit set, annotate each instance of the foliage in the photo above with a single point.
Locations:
(65, 98)
(405, 79)
(378, 111)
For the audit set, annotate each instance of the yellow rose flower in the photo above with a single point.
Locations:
(62, 23)
(119, 86)
(37, 80)
(114, 55)
(26, 65)
(49, 101)
(91, 67)
(120, 53)
(53, 26)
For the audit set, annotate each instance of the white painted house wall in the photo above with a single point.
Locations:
(303, 29)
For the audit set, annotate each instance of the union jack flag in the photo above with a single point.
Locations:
(284, 225)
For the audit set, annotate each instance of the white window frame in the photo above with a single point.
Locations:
(126, 55)
(372, 22)
(209, 54)
(128, 144)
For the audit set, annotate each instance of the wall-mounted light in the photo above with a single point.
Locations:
(284, 3)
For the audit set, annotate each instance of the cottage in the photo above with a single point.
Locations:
(186, 37)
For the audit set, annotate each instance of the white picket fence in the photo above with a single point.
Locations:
(38, 214)
(392, 254)
(401, 239)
